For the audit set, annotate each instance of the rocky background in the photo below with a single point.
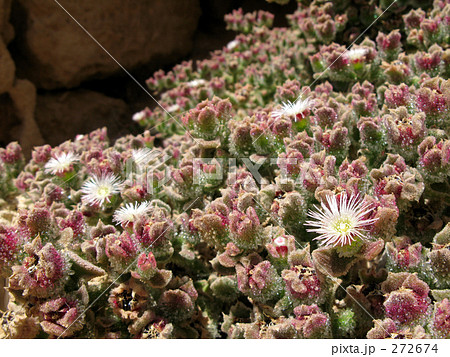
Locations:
(56, 82)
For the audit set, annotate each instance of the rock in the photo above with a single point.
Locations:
(55, 52)
(62, 116)
(7, 68)
(6, 30)
(23, 95)
(9, 122)
(17, 116)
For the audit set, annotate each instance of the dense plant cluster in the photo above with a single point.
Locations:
(284, 188)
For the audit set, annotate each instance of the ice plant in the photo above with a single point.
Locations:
(99, 189)
(340, 221)
(204, 238)
(61, 163)
(131, 212)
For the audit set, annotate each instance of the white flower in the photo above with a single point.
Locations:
(99, 189)
(355, 54)
(293, 109)
(341, 221)
(139, 115)
(196, 82)
(173, 108)
(131, 212)
(232, 44)
(280, 242)
(60, 163)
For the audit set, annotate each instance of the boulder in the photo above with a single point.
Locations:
(7, 68)
(23, 95)
(6, 30)
(17, 116)
(55, 52)
(9, 122)
(61, 116)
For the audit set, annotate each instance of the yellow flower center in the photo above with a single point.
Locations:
(103, 191)
(343, 225)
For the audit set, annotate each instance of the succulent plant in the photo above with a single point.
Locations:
(291, 185)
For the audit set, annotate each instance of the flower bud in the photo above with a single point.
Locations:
(42, 272)
(311, 322)
(121, 250)
(428, 62)
(258, 279)
(387, 328)
(407, 298)
(9, 245)
(41, 154)
(245, 228)
(403, 255)
(395, 177)
(434, 159)
(440, 257)
(60, 317)
(225, 288)
(397, 72)
(397, 96)
(38, 221)
(414, 18)
(335, 141)
(12, 154)
(389, 45)
(178, 304)
(302, 284)
(208, 118)
(440, 324)
(146, 266)
(405, 131)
